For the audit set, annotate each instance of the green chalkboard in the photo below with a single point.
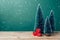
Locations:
(19, 15)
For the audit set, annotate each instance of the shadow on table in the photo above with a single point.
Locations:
(55, 33)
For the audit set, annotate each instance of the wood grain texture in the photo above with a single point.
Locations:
(26, 36)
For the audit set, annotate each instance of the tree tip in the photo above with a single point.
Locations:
(39, 5)
(51, 12)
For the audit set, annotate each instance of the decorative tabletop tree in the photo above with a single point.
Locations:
(39, 22)
(47, 27)
(51, 19)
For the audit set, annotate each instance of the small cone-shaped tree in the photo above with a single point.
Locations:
(47, 27)
(39, 20)
(51, 19)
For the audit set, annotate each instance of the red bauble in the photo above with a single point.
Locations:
(37, 32)
(34, 33)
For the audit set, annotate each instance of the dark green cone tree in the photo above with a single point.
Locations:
(47, 27)
(51, 19)
(39, 19)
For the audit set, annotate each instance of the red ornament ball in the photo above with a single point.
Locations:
(37, 32)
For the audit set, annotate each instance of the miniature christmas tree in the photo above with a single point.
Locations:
(47, 27)
(39, 24)
(51, 18)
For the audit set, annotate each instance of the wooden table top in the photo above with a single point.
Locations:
(26, 36)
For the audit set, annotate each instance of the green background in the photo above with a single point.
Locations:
(19, 15)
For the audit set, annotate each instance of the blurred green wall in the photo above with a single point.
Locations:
(19, 15)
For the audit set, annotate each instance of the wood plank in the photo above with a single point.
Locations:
(26, 36)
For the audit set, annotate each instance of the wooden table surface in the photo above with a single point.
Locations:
(26, 36)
